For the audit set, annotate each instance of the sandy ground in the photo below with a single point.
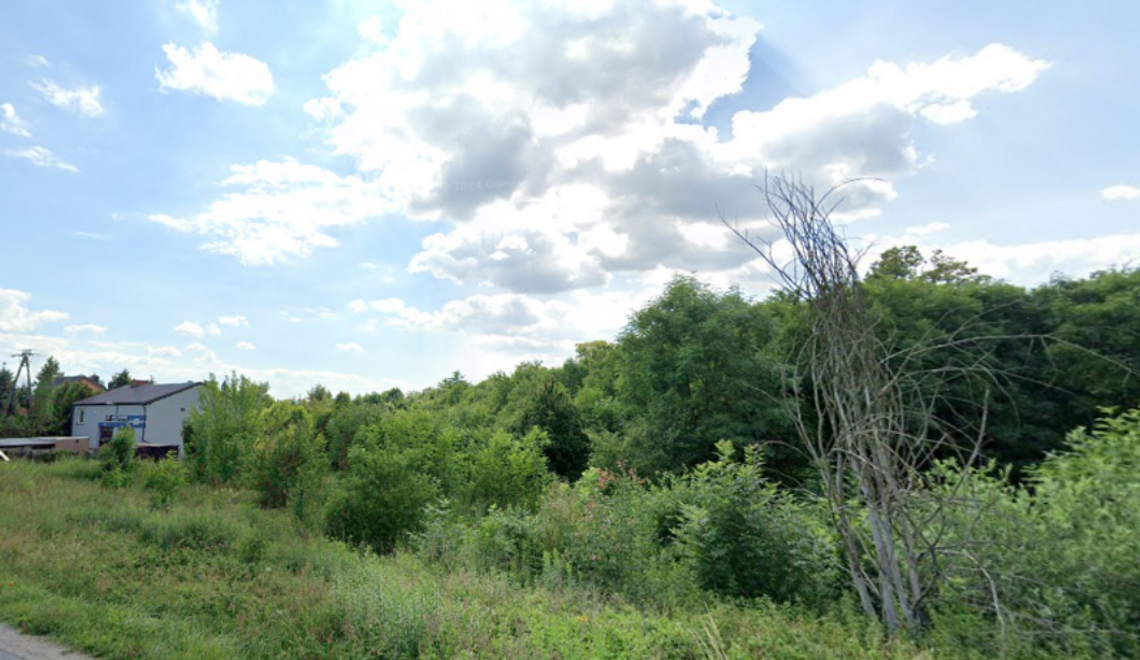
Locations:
(15, 646)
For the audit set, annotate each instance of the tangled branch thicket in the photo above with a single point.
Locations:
(864, 412)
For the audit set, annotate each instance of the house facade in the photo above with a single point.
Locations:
(154, 410)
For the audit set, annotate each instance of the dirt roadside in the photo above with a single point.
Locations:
(17, 646)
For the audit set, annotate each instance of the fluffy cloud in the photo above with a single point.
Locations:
(205, 12)
(507, 322)
(564, 144)
(245, 346)
(88, 328)
(195, 329)
(10, 122)
(233, 321)
(1120, 192)
(81, 100)
(223, 76)
(350, 347)
(280, 210)
(1032, 263)
(42, 157)
(16, 317)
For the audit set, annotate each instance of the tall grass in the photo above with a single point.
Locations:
(215, 576)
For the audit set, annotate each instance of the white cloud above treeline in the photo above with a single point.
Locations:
(15, 316)
(562, 144)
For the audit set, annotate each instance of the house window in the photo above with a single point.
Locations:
(81, 410)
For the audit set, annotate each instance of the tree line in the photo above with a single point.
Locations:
(45, 406)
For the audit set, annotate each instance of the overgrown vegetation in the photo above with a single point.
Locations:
(877, 466)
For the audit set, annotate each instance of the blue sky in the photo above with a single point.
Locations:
(371, 195)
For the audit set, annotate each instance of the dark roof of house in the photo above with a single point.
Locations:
(136, 394)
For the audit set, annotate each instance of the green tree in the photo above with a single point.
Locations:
(547, 405)
(6, 386)
(288, 451)
(44, 397)
(225, 425)
(692, 370)
(121, 379)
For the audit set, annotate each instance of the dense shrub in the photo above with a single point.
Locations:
(745, 538)
(118, 457)
(382, 497)
(1053, 562)
(507, 470)
(288, 456)
(163, 480)
(224, 426)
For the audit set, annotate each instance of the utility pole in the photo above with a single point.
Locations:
(25, 365)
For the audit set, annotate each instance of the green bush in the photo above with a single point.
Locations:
(223, 427)
(745, 538)
(508, 471)
(382, 497)
(163, 480)
(612, 530)
(118, 457)
(1051, 563)
(288, 457)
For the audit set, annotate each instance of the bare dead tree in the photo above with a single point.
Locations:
(864, 412)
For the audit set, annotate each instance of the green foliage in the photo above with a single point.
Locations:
(508, 470)
(348, 420)
(288, 454)
(546, 403)
(119, 451)
(382, 497)
(746, 538)
(691, 370)
(164, 479)
(120, 379)
(1052, 560)
(224, 427)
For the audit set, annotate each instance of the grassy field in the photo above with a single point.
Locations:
(216, 577)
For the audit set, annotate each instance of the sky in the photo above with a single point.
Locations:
(371, 195)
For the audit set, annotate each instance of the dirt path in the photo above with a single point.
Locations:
(17, 646)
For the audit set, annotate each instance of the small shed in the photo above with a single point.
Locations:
(154, 410)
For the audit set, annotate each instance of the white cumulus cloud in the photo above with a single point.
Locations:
(16, 317)
(10, 122)
(1120, 192)
(559, 143)
(80, 100)
(195, 329)
(245, 346)
(88, 328)
(279, 210)
(205, 12)
(42, 157)
(223, 76)
(350, 347)
(233, 321)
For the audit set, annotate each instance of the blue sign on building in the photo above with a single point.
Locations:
(136, 422)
